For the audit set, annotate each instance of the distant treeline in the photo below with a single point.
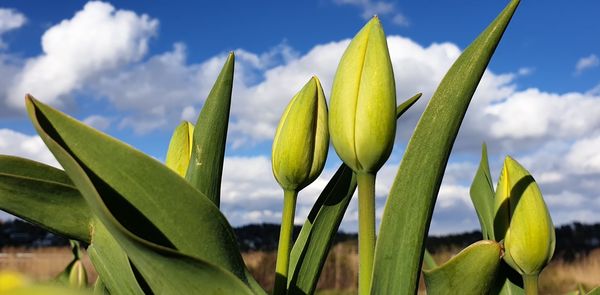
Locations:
(572, 240)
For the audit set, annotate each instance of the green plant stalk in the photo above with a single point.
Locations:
(366, 230)
(530, 284)
(285, 241)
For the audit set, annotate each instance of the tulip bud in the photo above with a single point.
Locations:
(180, 148)
(530, 239)
(362, 119)
(78, 275)
(302, 138)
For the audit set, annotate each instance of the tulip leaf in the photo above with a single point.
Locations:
(100, 287)
(510, 282)
(316, 236)
(312, 245)
(482, 195)
(407, 215)
(167, 271)
(472, 271)
(148, 198)
(428, 261)
(45, 196)
(595, 291)
(111, 263)
(63, 277)
(208, 148)
(403, 107)
(180, 148)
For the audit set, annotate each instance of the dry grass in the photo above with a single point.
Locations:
(339, 273)
(560, 276)
(41, 264)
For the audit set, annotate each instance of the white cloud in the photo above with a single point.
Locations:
(98, 122)
(26, 146)
(584, 155)
(532, 113)
(10, 19)
(525, 71)
(383, 8)
(586, 63)
(555, 135)
(97, 38)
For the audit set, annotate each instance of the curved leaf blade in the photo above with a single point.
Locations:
(45, 196)
(316, 236)
(138, 190)
(428, 261)
(472, 271)
(409, 207)
(111, 263)
(482, 195)
(167, 271)
(208, 148)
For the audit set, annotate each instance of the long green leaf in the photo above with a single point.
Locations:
(145, 196)
(510, 282)
(428, 261)
(45, 196)
(482, 195)
(409, 207)
(208, 148)
(472, 271)
(316, 236)
(100, 287)
(312, 245)
(167, 271)
(111, 263)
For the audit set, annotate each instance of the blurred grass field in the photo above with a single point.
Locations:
(338, 277)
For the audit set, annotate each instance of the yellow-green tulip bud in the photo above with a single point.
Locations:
(180, 148)
(362, 119)
(530, 239)
(302, 138)
(78, 275)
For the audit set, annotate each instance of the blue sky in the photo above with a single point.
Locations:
(135, 69)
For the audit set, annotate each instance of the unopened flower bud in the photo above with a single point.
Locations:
(302, 138)
(180, 148)
(362, 118)
(530, 239)
(78, 275)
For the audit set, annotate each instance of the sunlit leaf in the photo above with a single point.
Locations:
(482, 195)
(208, 148)
(144, 196)
(45, 196)
(472, 271)
(407, 215)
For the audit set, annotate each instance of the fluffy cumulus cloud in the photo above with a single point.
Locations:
(96, 39)
(10, 19)
(555, 135)
(15, 143)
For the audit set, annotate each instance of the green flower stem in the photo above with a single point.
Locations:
(285, 241)
(366, 230)
(530, 283)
